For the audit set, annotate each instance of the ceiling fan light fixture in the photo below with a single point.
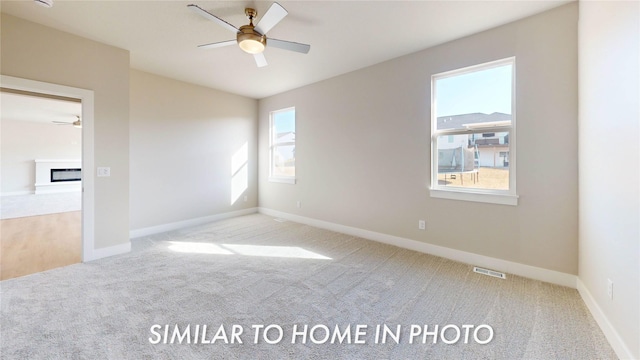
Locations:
(252, 46)
(253, 39)
(250, 41)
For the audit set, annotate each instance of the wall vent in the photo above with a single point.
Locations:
(489, 272)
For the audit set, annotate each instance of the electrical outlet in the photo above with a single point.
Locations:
(610, 289)
(422, 224)
(298, 204)
(245, 198)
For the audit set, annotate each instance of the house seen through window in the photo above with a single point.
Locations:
(282, 145)
(473, 133)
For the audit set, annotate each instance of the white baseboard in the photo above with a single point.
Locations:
(532, 272)
(136, 233)
(616, 342)
(107, 251)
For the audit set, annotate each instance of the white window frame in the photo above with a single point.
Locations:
(494, 196)
(272, 146)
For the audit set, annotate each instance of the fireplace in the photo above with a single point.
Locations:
(55, 176)
(58, 175)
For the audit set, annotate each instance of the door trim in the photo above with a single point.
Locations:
(88, 181)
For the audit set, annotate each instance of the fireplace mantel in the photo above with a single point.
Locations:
(44, 185)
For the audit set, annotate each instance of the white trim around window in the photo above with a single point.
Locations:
(467, 146)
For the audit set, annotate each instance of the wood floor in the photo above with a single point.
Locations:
(37, 243)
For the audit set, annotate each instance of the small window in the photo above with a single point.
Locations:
(473, 133)
(282, 146)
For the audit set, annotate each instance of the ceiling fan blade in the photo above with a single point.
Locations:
(218, 44)
(261, 61)
(271, 18)
(289, 45)
(62, 123)
(207, 15)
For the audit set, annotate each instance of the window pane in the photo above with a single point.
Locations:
(473, 99)
(479, 160)
(282, 144)
(284, 126)
(284, 161)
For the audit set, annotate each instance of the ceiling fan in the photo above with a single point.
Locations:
(252, 38)
(77, 123)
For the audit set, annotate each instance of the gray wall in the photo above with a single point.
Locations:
(610, 163)
(363, 148)
(36, 52)
(183, 138)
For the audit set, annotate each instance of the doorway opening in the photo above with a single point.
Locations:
(46, 207)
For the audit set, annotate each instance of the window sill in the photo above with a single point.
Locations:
(283, 180)
(501, 199)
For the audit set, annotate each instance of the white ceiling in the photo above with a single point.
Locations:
(344, 35)
(18, 107)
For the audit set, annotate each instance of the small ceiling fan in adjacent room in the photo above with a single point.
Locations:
(252, 38)
(76, 124)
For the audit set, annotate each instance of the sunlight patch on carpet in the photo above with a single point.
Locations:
(274, 251)
(245, 250)
(198, 248)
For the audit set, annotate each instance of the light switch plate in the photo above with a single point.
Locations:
(104, 171)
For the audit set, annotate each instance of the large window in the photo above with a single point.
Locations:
(282, 145)
(473, 133)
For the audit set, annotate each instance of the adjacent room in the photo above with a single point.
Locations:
(320, 179)
(41, 183)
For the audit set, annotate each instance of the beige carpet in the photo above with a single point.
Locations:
(253, 270)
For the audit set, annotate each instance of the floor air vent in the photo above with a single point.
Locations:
(280, 220)
(489, 272)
